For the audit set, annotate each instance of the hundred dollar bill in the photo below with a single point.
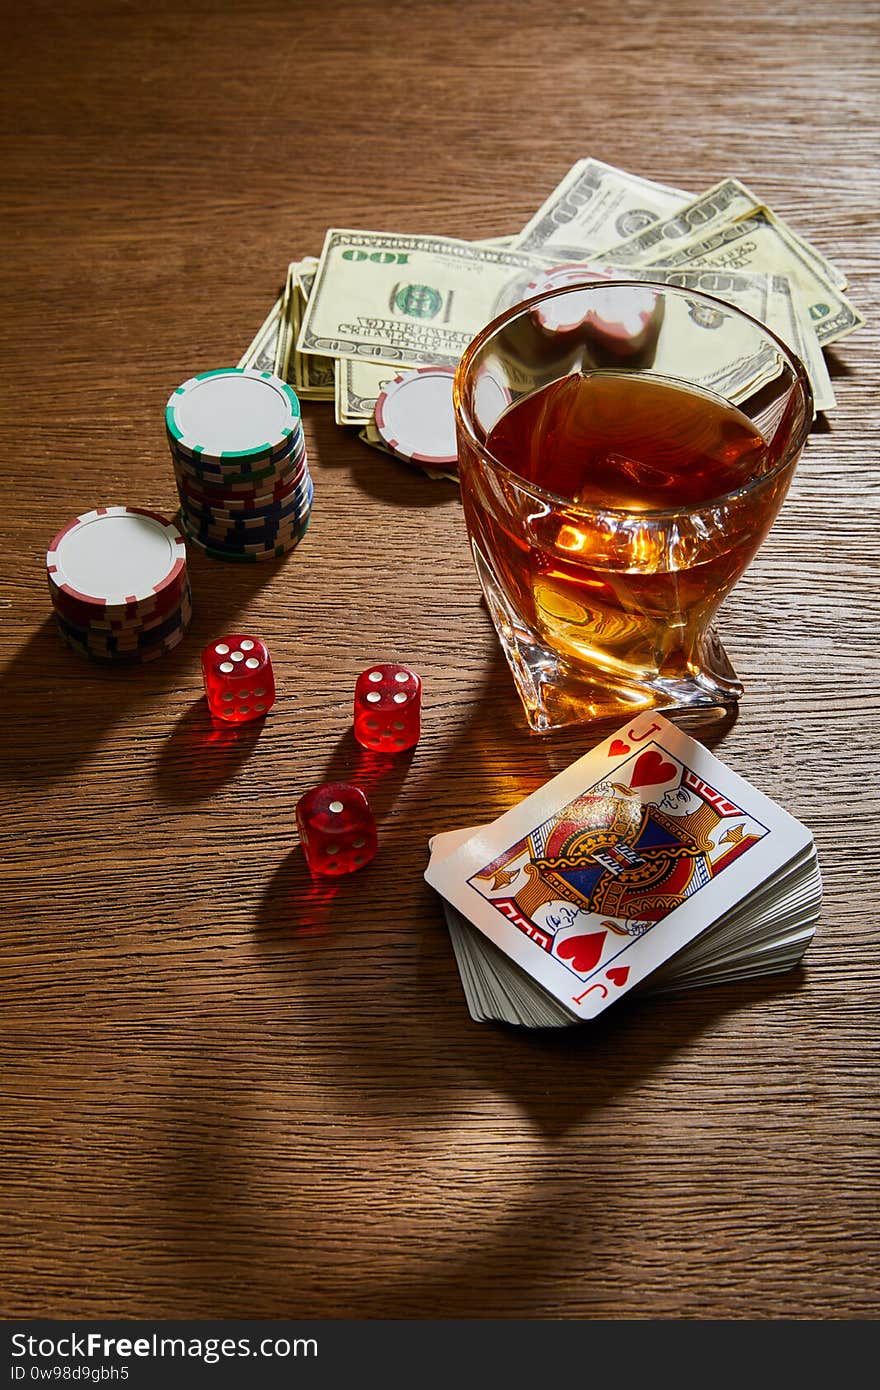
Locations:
(289, 317)
(790, 320)
(723, 364)
(768, 298)
(810, 252)
(596, 206)
(758, 242)
(312, 378)
(305, 274)
(359, 382)
(263, 350)
(719, 353)
(411, 299)
(721, 204)
(358, 386)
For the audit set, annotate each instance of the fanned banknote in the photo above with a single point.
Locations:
(312, 378)
(595, 207)
(361, 306)
(416, 299)
(758, 242)
(377, 303)
(727, 228)
(263, 350)
(723, 203)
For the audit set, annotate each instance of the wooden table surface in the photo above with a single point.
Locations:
(229, 1090)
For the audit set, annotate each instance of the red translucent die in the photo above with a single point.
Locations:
(387, 708)
(336, 828)
(239, 683)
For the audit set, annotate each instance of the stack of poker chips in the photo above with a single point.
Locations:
(239, 457)
(119, 585)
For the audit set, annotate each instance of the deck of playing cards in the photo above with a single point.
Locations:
(647, 864)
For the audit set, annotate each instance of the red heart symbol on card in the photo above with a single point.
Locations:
(618, 748)
(651, 767)
(582, 951)
(618, 974)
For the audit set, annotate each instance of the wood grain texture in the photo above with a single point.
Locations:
(228, 1090)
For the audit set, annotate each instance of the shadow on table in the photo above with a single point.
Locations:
(579, 1088)
(400, 484)
(380, 475)
(582, 1109)
(379, 775)
(838, 369)
(201, 754)
(65, 704)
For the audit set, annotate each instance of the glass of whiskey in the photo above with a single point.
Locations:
(624, 448)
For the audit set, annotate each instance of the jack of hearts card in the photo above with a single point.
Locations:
(620, 861)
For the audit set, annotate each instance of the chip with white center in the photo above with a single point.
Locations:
(415, 418)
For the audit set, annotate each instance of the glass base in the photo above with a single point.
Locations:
(556, 694)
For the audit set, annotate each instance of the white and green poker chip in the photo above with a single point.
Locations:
(234, 414)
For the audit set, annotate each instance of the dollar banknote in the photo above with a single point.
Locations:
(312, 378)
(721, 363)
(263, 350)
(789, 319)
(358, 385)
(721, 204)
(289, 325)
(810, 252)
(767, 298)
(411, 299)
(595, 207)
(376, 303)
(758, 242)
(305, 274)
(359, 382)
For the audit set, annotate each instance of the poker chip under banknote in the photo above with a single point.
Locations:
(566, 311)
(569, 312)
(415, 418)
(240, 462)
(119, 584)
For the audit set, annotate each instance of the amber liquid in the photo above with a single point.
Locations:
(602, 574)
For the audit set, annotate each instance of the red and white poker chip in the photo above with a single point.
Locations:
(116, 557)
(490, 399)
(415, 417)
(119, 585)
(564, 312)
(625, 316)
(623, 319)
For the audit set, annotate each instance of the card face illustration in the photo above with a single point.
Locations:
(597, 878)
(610, 866)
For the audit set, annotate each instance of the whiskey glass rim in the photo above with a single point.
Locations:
(472, 351)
